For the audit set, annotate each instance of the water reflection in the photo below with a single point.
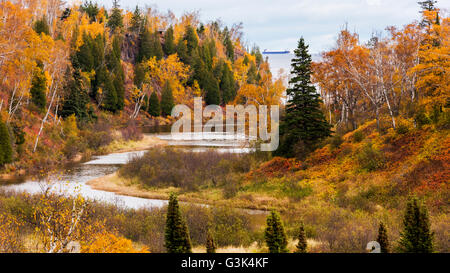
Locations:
(73, 180)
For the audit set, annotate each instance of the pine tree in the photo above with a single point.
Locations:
(301, 236)
(212, 90)
(227, 84)
(115, 20)
(169, 42)
(167, 99)
(177, 238)
(191, 40)
(114, 64)
(274, 234)
(229, 46)
(38, 88)
(76, 98)
(41, 26)
(149, 46)
(91, 10)
(85, 55)
(6, 151)
(210, 244)
(416, 236)
(383, 239)
(304, 122)
(110, 95)
(154, 108)
(136, 21)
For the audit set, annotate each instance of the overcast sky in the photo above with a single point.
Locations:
(277, 25)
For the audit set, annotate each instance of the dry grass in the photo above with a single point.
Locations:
(122, 146)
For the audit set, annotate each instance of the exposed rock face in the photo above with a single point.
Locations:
(130, 47)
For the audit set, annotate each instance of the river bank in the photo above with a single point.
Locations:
(210, 196)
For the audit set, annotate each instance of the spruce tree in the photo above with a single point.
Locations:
(154, 108)
(177, 238)
(416, 236)
(169, 42)
(38, 88)
(91, 9)
(110, 95)
(227, 85)
(6, 151)
(136, 21)
(115, 20)
(210, 244)
(212, 90)
(382, 238)
(76, 98)
(301, 236)
(167, 99)
(304, 122)
(274, 234)
(85, 54)
(41, 26)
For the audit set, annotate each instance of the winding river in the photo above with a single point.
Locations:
(74, 178)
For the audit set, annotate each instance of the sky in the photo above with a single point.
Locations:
(277, 25)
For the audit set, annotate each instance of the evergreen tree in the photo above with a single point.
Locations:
(211, 86)
(115, 20)
(6, 151)
(383, 239)
(84, 54)
(177, 238)
(301, 236)
(182, 51)
(304, 122)
(91, 9)
(169, 42)
(38, 88)
(76, 98)
(110, 95)
(229, 46)
(41, 26)
(115, 66)
(139, 75)
(427, 5)
(136, 22)
(191, 40)
(154, 108)
(252, 74)
(210, 244)
(274, 234)
(227, 84)
(149, 46)
(167, 99)
(416, 236)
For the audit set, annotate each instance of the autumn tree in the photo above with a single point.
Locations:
(383, 238)
(304, 122)
(39, 88)
(274, 234)
(177, 238)
(416, 236)
(167, 99)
